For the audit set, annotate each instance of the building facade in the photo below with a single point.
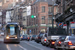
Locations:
(42, 10)
(67, 17)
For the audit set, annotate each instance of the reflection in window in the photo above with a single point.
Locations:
(12, 30)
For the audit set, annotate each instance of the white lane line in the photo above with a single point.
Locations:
(35, 42)
(22, 47)
(34, 46)
(8, 47)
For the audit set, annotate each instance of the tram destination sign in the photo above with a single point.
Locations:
(11, 25)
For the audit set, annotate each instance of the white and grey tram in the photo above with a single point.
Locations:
(12, 32)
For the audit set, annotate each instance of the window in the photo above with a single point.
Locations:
(43, 8)
(12, 30)
(7, 0)
(72, 38)
(37, 9)
(42, 30)
(43, 19)
(49, 20)
(49, 9)
(34, 9)
(57, 32)
(56, 9)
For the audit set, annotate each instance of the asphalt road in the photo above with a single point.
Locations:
(24, 45)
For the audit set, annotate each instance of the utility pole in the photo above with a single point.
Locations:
(63, 6)
(53, 14)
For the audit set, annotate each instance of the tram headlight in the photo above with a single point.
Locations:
(7, 37)
(15, 37)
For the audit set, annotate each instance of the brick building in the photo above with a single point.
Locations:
(43, 10)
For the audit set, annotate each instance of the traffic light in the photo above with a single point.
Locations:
(32, 16)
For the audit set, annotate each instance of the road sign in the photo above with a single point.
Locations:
(72, 24)
(60, 24)
(29, 31)
(32, 16)
(3, 29)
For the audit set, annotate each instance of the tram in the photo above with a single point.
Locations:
(12, 33)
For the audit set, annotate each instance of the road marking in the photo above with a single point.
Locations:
(8, 47)
(22, 47)
(35, 42)
(34, 46)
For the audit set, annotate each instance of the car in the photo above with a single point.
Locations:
(28, 38)
(2, 33)
(38, 38)
(58, 42)
(44, 39)
(68, 43)
(33, 37)
(24, 37)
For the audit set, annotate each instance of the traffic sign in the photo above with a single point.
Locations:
(60, 24)
(29, 31)
(32, 16)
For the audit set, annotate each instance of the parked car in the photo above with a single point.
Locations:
(24, 37)
(59, 41)
(2, 33)
(38, 38)
(44, 39)
(33, 37)
(28, 38)
(68, 43)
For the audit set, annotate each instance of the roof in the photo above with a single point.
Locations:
(50, 2)
(12, 23)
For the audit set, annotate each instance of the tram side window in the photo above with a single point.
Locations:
(8, 30)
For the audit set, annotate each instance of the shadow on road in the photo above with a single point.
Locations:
(11, 43)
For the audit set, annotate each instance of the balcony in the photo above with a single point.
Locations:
(71, 8)
(67, 16)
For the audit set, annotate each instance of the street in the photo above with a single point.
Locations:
(24, 45)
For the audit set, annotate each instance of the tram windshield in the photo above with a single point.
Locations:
(12, 30)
